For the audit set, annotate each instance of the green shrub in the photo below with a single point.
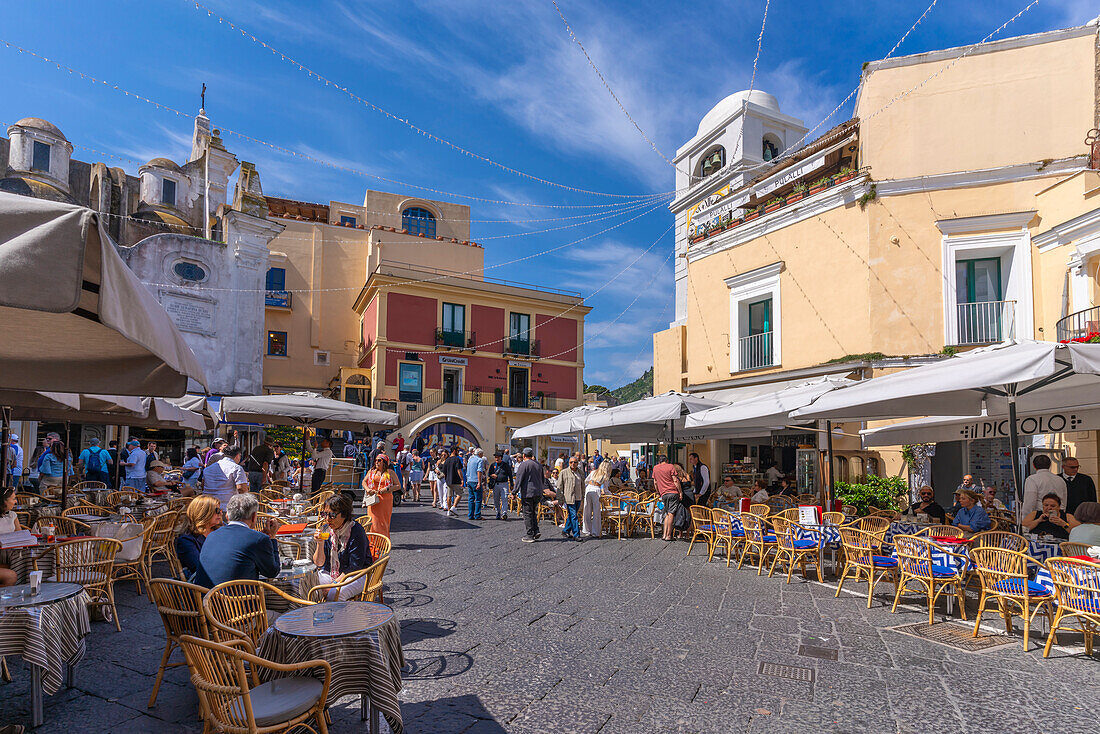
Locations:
(883, 493)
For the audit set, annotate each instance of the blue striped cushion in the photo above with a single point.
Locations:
(1015, 586)
(804, 544)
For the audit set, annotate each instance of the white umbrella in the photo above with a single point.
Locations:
(652, 419)
(771, 410)
(305, 409)
(571, 421)
(1005, 379)
(198, 404)
(969, 427)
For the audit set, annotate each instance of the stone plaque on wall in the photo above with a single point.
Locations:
(189, 313)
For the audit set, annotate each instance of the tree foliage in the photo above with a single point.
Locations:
(883, 493)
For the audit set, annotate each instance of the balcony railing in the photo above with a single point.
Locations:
(410, 410)
(277, 299)
(1079, 325)
(458, 339)
(986, 322)
(522, 347)
(755, 351)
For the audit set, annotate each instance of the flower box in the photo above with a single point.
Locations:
(818, 188)
(794, 197)
(696, 239)
(752, 215)
(845, 177)
(772, 207)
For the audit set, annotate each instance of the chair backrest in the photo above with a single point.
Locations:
(858, 545)
(180, 607)
(754, 527)
(807, 499)
(160, 530)
(322, 496)
(834, 518)
(784, 531)
(699, 515)
(999, 539)
(366, 521)
(373, 590)
(379, 545)
(941, 531)
(876, 525)
(87, 508)
(123, 497)
(88, 485)
(915, 555)
(1071, 548)
(851, 510)
(722, 521)
(791, 513)
(221, 682)
(760, 510)
(63, 526)
(179, 503)
(890, 515)
(88, 561)
(237, 609)
(1077, 584)
(995, 564)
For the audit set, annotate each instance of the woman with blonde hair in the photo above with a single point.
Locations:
(594, 486)
(204, 516)
(380, 483)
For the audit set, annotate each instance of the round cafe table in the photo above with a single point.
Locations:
(47, 630)
(360, 640)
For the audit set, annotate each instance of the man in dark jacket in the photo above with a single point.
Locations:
(453, 474)
(1079, 487)
(531, 486)
(500, 481)
(237, 551)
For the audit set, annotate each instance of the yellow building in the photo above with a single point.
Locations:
(386, 304)
(955, 209)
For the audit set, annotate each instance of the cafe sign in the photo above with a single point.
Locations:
(932, 430)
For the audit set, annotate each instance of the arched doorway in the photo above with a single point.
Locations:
(445, 434)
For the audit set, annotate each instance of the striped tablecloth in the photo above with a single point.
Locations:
(50, 636)
(363, 663)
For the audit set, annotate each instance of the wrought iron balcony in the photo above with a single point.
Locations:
(1079, 325)
(457, 339)
(755, 351)
(522, 347)
(986, 322)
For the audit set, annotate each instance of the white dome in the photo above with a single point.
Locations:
(732, 104)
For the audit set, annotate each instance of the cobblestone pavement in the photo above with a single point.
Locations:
(617, 636)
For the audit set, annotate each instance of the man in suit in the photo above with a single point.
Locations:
(1079, 487)
(531, 486)
(237, 551)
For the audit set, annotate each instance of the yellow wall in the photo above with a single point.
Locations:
(668, 359)
(1013, 105)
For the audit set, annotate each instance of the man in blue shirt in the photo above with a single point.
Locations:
(96, 462)
(135, 466)
(237, 551)
(475, 484)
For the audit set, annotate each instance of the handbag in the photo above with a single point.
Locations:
(371, 499)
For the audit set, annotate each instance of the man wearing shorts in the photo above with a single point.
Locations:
(666, 478)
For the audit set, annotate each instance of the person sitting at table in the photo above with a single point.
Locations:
(204, 516)
(616, 485)
(344, 550)
(927, 506)
(971, 517)
(760, 490)
(1052, 519)
(989, 499)
(1088, 529)
(9, 523)
(154, 478)
(236, 550)
(787, 488)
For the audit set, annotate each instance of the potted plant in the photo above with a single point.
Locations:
(753, 213)
(846, 174)
(697, 237)
(797, 193)
(819, 185)
(774, 204)
(736, 222)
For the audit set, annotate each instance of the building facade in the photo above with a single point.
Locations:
(954, 210)
(386, 304)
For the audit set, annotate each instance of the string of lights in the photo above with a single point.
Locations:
(752, 79)
(404, 121)
(306, 156)
(607, 86)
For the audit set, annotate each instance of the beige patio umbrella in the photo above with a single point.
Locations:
(73, 316)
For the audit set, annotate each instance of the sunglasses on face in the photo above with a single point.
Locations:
(331, 515)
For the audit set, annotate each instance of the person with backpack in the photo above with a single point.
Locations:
(95, 463)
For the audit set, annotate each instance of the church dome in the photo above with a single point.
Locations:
(37, 123)
(165, 164)
(731, 104)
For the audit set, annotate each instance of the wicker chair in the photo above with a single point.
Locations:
(1003, 575)
(701, 527)
(790, 549)
(88, 485)
(238, 609)
(90, 563)
(874, 524)
(941, 531)
(725, 533)
(366, 521)
(379, 545)
(372, 586)
(758, 540)
(916, 565)
(621, 517)
(863, 556)
(1070, 548)
(807, 499)
(760, 510)
(126, 497)
(161, 545)
(834, 518)
(999, 539)
(779, 503)
(180, 608)
(85, 508)
(1077, 584)
(232, 698)
(65, 527)
(179, 504)
(642, 513)
(791, 513)
(134, 568)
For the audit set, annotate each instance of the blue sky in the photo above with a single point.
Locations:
(500, 79)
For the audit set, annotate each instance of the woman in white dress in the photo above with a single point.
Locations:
(594, 486)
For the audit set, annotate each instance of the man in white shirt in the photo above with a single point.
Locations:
(322, 462)
(773, 475)
(226, 477)
(1040, 484)
(135, 466)
(14, 453)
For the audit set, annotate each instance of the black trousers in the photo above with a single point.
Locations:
(317, 480)
(531, 515)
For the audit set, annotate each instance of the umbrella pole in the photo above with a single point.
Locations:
(671, 440)
(302, 465)
(830, 488)
(5, 434)
(1014, 447)
(65, 467)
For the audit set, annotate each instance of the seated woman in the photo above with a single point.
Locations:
(971, 517)
(344, 550)
(1051, 520)
(760, 490)
(9, 523)
(927, 506)
(204, 515)
(787, 488)
(1088, 531)
(616, 484)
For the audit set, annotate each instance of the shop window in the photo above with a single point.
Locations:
(276, 343)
